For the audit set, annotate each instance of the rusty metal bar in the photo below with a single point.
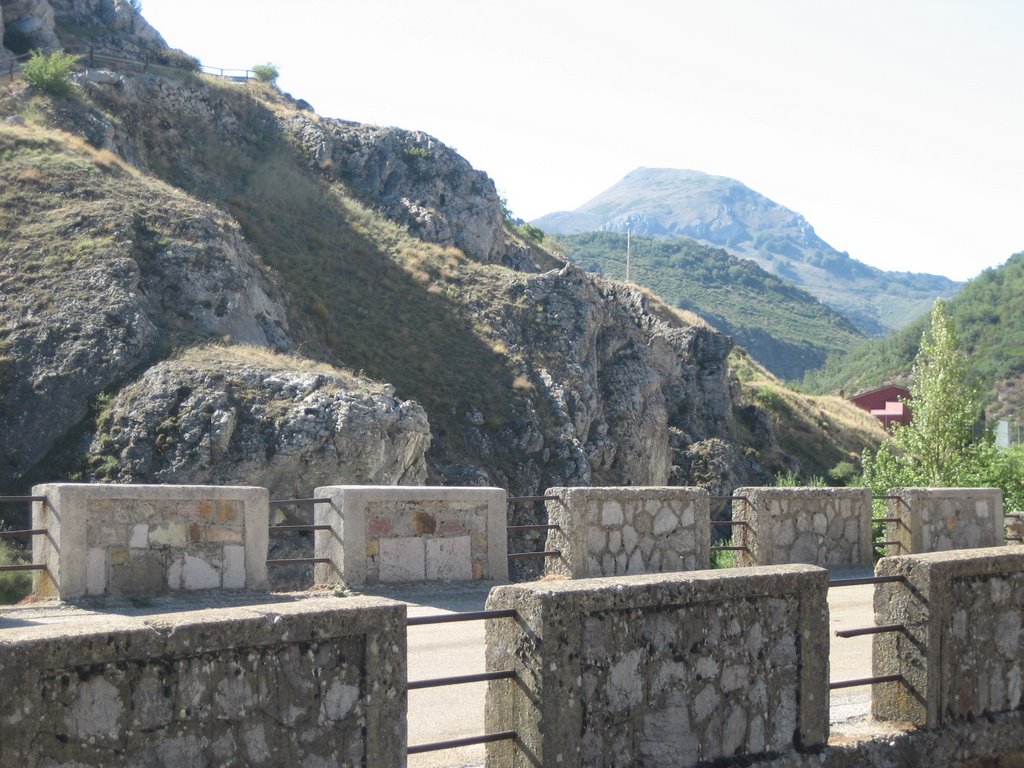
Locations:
(276, 528)
(539, 527)
(1014, 538)
(517, 499)
(525, 555)
(281, 502)
(870, 630)
(886, 520)
(728, 498)
(888, 498)
(25, 567)
(866, 580)
(448, 618)
(469, 741)
(865, 681)
(21, 534)
(730, 549)
(20, 499)
(437, 682)
(730, 522)
(300, 561)
(888, 544)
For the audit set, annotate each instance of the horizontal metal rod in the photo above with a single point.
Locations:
(1015, 538)
(524, 555)
(437, 682)
(517, 499)
(300, 561)
(277, 528)
(730, 522)
(24, 567)
(730, 549)
(887, 498)
(469, 741)
(537, 527)
(20, 499)
(888, 543)
(866, 580)
(447, 618)
(870, 630)
(728, 498)
(279, 502)
(21, 534)
(886, 520)
(865, 681)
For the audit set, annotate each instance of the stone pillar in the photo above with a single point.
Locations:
(383, 534)
(941, 519)
(962, 652)
(818, 526)
(149, 539)
(660, 670)
(309, 682)
(629, 530)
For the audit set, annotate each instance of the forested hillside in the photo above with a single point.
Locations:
(783, 327)
(989, 314)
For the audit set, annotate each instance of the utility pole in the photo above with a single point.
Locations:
(628, 258)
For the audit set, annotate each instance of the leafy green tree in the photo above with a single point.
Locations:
(266, 73)
(938, 447)
(50, 72)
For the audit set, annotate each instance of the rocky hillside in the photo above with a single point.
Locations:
(205, 281)
(671, 203)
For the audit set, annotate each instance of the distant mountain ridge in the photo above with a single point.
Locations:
(719, 211)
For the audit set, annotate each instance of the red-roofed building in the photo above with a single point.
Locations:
(887, 404)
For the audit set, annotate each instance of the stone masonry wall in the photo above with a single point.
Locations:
(313, 683)
(962, 653)
(624, 531)
(403, 533)
(660, 670)
(819, 526)
(942, 519)
(149, 539)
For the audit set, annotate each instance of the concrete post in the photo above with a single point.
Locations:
(630, 530)
(942, 519)
(961, 653)
(385, 534)
(149, 539)
(818, 526)
(660, 670)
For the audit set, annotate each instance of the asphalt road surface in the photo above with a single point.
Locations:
(452, 712)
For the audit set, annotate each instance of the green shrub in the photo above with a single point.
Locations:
(50, 72)
(266, 73)
(13, 586)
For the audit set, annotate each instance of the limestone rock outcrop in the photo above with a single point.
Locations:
(245, 416)
(113, 25)
(416, 180)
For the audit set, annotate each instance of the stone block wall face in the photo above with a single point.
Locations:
(629, 530)
(149, 539)
(312, 683)
(962, 654)
(943, 519)
(818, 526)
(382, 534)
(660, 670)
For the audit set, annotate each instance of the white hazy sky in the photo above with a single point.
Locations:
(896, 127)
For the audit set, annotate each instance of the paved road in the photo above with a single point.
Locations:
(443, 650)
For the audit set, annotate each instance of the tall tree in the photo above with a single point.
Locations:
(935, 448)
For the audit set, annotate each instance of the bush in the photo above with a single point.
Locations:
(266, 73)
(13, 586)
(50, 72)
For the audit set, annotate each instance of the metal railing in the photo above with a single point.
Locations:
(863, 631)
(416, 685)
(510, 529)
(22, 533)
(288, 528)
